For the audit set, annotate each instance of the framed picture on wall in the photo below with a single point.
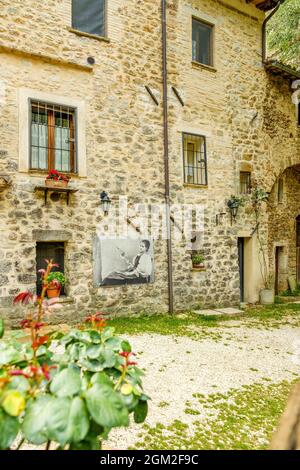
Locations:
(119, 261)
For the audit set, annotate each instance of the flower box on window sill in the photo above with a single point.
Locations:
(50, 183)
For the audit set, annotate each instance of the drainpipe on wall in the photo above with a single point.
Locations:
(264, 30)
(166, 154)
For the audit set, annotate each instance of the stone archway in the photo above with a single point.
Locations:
(283, 212)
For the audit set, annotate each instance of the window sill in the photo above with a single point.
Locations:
(195, 186)
(43, 174)
(200, 270)
(88, 35)
(198, 65)
(64, 299)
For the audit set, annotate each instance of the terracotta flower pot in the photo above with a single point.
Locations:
(198, 266)
(51, 183)
(53, 292)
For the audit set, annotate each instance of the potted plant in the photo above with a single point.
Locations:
(57, 180)
(56, 280)
(197, 261)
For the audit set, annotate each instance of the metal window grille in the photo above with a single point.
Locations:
(194, 158)
(245, 182)
(202, 42)
(53, 137)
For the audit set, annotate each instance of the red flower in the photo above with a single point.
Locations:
(18, 372)
(40, 341)
(23, 298)
(45, 369)
(25, 323)
(127, 355)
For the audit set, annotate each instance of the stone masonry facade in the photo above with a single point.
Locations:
(245, 113)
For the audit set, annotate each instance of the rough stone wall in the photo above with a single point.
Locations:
(247, 117)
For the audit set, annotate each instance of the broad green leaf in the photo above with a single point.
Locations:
(1, 327)
(93, 351)
(92, 365)
(126, 346)
(91, 442)
(106, 406)
(140, 412)
(58, 419)
(35, 421)
(130, 401)
(109, 357)
(114, 343)
(68, 420)
(66, 383)
(78, 425)
(102, 379)
(95, 336)
(9, 428)
(107, 333)
(9, 354)
(13, 402)
(19, 383)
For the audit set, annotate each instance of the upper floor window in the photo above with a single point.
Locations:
(194, 158)
(202, 42)
(245, 182)
(53, 137)
(88, 16)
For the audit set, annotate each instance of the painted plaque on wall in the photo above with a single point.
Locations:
(119, 261)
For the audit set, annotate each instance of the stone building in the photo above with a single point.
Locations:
(82, 91)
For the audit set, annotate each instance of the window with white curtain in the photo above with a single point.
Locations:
(53, 137)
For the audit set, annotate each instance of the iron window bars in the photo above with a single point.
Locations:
(53, 137)
(194, 159)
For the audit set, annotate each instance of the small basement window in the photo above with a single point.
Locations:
(49, 250)
(194, 158)
(88, 16)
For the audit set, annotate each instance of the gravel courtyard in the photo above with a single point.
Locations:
(221, 387)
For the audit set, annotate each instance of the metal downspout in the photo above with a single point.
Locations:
(166, 155)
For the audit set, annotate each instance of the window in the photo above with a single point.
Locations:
(50, 250)
(202, 42)
(194, 158)
(89, 16)
(53, 137)
(280, 190)
(245, 182)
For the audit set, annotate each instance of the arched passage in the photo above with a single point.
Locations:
(284, 228)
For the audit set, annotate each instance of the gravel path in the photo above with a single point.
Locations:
(178, 367)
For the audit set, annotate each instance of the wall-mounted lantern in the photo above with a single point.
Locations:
(105, 202)
(234, 203)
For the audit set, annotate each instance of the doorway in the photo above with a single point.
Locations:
(298, 249)
(278, 266)
(241, 255)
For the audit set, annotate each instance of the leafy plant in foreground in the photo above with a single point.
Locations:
(65, 389)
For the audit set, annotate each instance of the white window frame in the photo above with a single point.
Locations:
(27, 95)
